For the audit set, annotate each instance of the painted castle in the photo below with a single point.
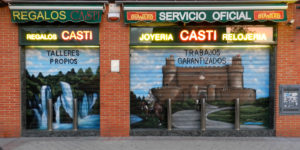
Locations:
(212, 83)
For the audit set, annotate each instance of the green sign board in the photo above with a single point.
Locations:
(207, 15)
(56, 13)
(89, 16)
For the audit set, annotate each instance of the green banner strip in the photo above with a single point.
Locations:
(204, 13)
(60, 13)
(207, 16)
(88, 16)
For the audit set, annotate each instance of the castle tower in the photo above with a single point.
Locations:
(235, 73)
(169, 72)
(194, 91)
(211, 92)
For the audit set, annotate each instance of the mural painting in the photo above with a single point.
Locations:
(62, 74)
(218, 75)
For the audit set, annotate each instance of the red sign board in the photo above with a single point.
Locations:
(141, 16)
(268, 15)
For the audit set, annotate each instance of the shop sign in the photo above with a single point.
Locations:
(89, 16)
(222, 34)
(205, 15)
(62, 35)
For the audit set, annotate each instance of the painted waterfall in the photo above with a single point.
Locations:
(62, 75)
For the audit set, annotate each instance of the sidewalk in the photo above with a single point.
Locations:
(151, 143)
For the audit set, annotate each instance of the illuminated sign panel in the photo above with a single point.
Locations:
(41, 37)
(268, 15)
(156, 37)
(59, 35)
(220, 34)
(141, 16)
(77, 35)
(198, 35)
(244, 37)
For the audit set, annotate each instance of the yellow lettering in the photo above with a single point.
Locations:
(62, 15)
(41, 37)
(224, 37)
(156, 37)
(24, 15)
(16, 14)
(45, 14)
(40, 15)
(32, 15)
(54, 15)
(244, 37)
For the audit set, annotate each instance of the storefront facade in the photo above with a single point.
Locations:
(183, 64)
(60, 70)
(125, 75)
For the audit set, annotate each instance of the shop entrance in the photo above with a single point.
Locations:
(61, 77)
(65, 76)
(187, 74)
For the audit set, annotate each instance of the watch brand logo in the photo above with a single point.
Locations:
(141, 16)
(268, 15)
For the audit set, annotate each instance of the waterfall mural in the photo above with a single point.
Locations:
(62, 75)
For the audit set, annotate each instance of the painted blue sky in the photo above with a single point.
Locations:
(146, 67)
(37, 60)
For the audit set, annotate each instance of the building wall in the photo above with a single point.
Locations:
(287, 71)
(10, 100)
(297, 19)
(114, 39)
(114, 87)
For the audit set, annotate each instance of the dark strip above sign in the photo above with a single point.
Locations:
(61, 13)
(192, 13)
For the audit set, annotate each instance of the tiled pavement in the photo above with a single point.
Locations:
(150, 143)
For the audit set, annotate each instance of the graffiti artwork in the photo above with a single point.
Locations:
(62, 74)
(218, 75)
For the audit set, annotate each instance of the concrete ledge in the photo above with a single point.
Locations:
(70, 133)
(218, 133)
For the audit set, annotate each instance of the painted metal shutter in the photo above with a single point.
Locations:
(218, 74)
(62, 74)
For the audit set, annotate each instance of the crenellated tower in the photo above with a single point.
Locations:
(235, 73)
(169, 72)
